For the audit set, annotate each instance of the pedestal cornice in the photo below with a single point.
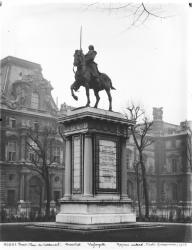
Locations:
(92, 120)
(100, 114)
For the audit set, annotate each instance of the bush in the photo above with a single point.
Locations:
(187, 219)
(4, 217)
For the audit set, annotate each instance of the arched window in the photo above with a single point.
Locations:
(35, 191)
(35, 100)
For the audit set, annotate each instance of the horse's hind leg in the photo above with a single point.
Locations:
(110, 99)
(88, 98)
(96, 92)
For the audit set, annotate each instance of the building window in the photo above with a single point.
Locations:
(32, 152)
(57, 179)
(25, 123)
(173, 143)
(174, 165)
(35, 100)
(174, 192)
(20, 91)
(163, 191)
(32, 157)
(11, 177)
(168, 144)
(12, 151)
(178, 143)
(57, 154)
(12, 123)
(35, 125)
(11, 197)
(152, 191)
(56, 196)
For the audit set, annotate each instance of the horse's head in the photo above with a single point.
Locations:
(78, 58)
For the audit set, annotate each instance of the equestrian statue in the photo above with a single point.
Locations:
(88, 76)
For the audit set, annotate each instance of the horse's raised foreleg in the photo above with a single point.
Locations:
(87, 94)
(110, 99)
(72, 91)
(96, 92)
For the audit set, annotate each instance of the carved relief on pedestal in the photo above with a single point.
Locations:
(76, 165)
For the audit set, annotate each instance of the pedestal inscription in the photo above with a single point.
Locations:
(107, 164)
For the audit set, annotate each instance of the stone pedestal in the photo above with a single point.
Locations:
(95, 168)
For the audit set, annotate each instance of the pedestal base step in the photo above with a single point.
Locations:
(78, 227)
(91, 219)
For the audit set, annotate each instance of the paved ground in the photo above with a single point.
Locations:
(143, 232)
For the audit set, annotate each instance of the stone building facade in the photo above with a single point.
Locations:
(26, 102)
(168, 165)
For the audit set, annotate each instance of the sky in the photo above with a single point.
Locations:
(148, 63)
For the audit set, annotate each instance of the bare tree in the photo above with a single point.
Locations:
(40, 146)
(142, 140)
(137, 13)
(138, 181)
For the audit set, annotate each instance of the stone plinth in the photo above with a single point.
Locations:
(95, 168)
(96, 212)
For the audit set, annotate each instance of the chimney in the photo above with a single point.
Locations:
(158, 114)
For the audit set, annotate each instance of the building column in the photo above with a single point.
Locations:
(27, 178)
(189, 189)
(22, 154)
(123, 182)
(51, 186)
(68, 169)
(88, 166)
(22, 188)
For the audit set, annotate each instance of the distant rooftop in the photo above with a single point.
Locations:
(22, 62)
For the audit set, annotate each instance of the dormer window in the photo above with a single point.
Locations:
(35, 100)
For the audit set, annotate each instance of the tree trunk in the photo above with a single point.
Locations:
(138, 191)
(144, 187)
(47, 183)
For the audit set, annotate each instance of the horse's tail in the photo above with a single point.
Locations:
(107, 80)
(112, 86)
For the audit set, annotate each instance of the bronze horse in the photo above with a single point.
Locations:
(84, 78)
